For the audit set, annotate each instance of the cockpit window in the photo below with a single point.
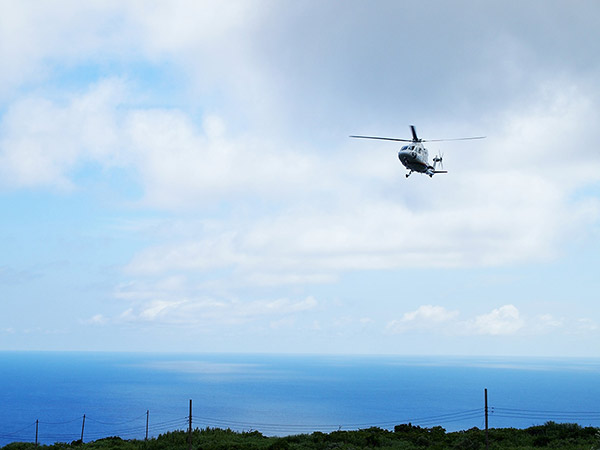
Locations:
(405, 147)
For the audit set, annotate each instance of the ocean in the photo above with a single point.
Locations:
(121, 393)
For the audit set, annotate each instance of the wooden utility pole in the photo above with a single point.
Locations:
(190, 428)
(37, 422)
(82, 428)
(487, 440)
(147, 417)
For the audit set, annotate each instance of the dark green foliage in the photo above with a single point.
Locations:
(19, 446)
(404, 437)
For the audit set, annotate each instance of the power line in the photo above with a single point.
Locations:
(516, 413)
(542, 411)
(445, 418)
(77, 419)
(116, 423)
(8, 435)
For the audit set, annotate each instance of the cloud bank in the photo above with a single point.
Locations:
(227, 129)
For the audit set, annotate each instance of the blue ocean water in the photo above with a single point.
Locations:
(278, 395)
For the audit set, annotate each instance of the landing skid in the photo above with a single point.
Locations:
(408, 174)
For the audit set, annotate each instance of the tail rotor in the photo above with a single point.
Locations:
(439, 159)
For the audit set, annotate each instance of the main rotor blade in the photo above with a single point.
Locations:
(382, 138)
(413, 130)
(455, 139)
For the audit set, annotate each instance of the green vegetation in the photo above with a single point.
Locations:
(406, 437)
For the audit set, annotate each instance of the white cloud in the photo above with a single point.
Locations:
(505, 320)
(184, 26)
(178, 162)
(42, 142)
(502, 321)
(430, 313)
(586, 326)
(180, 166)
(548, 321)
(314, 243)
(146, 308)
(158, 309)
(97, 319)
(34, 35)
(425, 317)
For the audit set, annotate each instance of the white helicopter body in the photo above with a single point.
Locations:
(415, 158)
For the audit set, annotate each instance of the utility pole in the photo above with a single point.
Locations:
(36, 432)
(147, 418)
(487, 440)
(190, 428)
(82, 427)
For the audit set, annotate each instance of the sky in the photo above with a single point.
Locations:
(178, 177)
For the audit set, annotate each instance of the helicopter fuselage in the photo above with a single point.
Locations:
(416, 158)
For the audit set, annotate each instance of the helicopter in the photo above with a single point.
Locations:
(415, 156)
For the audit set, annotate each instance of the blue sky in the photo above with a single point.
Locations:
(177, 176)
